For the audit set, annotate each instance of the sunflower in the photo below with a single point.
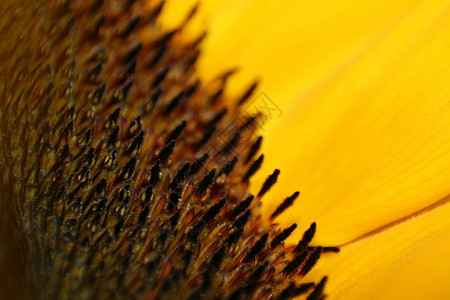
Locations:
(131, 149)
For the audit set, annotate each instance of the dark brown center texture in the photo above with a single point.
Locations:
(123, 176)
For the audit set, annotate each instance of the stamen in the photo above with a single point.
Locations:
(306, 239)
(270, 181)
(283, 206)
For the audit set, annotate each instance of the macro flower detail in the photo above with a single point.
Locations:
(121, 175)
(224, 149)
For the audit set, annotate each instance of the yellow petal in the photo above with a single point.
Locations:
(292, 45)
(370, 144)
(289, 45)
(365, 140)
(408, 261)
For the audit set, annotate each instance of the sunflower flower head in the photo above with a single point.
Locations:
(123, 174)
